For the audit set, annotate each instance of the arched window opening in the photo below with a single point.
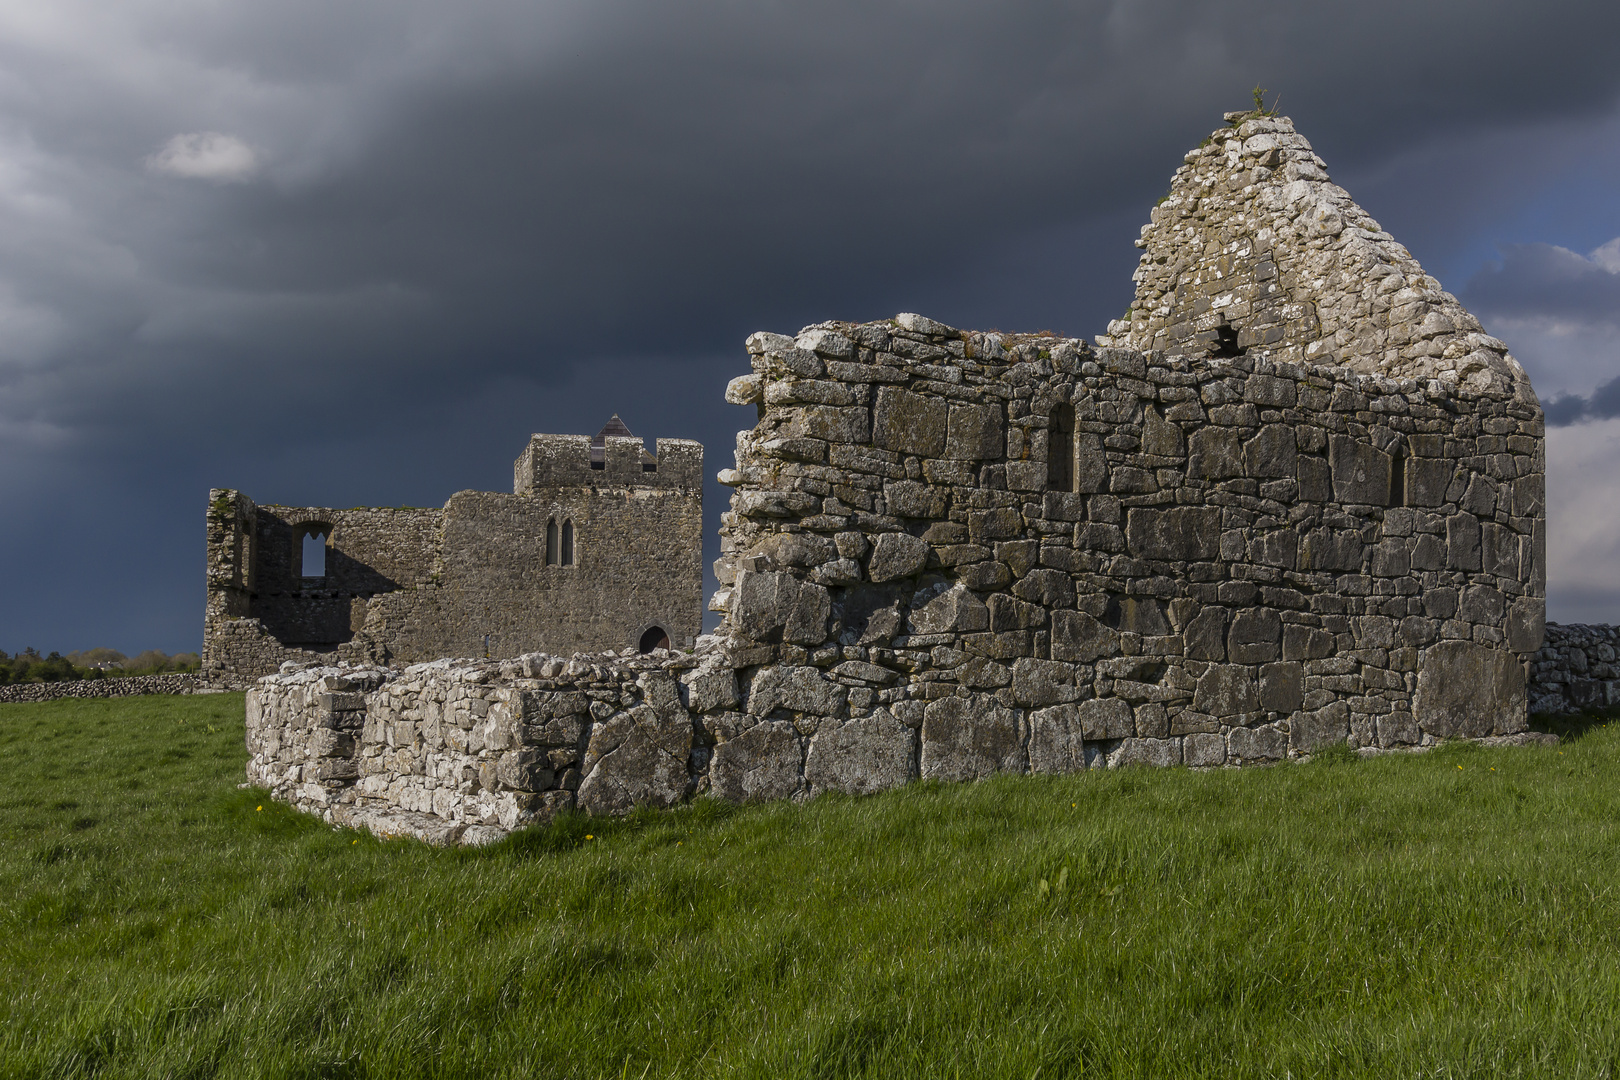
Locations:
(312, 552)
(1060, 449)
(654, 638)
(551, 542)
(1226, 342)
(568, 543)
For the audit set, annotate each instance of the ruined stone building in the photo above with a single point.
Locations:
(599, 547)
(1294, 501)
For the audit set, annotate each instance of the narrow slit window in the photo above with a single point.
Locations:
(1060, 449)
(568, 543)
(312, 554)
(551, 542)
(1397, 478)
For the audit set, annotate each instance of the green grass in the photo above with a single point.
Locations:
(1441, 915)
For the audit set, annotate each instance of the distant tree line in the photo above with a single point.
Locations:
(29, 666)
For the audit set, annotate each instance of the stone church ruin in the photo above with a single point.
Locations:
(1294, 500)
(598, 547)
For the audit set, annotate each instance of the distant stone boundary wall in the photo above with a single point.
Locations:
(1578, 667)
(97, 688)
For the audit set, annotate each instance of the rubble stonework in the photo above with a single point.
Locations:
(1578, 667)
(951, 554)
(401, 585)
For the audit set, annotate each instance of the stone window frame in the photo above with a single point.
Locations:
(301, 532)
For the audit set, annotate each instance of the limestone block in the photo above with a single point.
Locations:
(1315, 479)
(524, 770)
(1043, 682)
(1307, 643)
(1160, 437)
(1180, 534)
(797, 689)
(761, 764)
(1265, 743)
(1048, 588)
(1526, 624)
(1462, 542)
(1203, 749)
(1282, 687)
(1316, 728)
(1226, 690)
(1077, 636)
(1427, 480)
(966, 738)
(767, 606)
(636, 758)
(1056, 740)
(1332, 549)
(909, 498)
(1255, 636)
(711, 689)
(944, 609)
(1205, 634)
(745, 390)
(1469, 690)
(975, 432)
(1361, 472)
(1214, 453)
(895, 556)
(1398, 728)
(910, 423)
(1159, 752)
(1272, 453)
(861, 756)
(1107, 718)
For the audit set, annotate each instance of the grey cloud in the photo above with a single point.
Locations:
(470, 221)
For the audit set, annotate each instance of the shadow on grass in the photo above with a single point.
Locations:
(1571, 726)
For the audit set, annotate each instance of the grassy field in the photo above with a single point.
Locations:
(1441, 915)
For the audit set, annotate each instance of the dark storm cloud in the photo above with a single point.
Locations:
(1565, 307)
(355, 250)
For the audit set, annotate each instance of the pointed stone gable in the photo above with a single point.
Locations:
(1255, 250)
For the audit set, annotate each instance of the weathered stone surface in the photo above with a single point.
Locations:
(635, 758)
(1257, 744)
(1469, 690)
(797, 689)
(761, 764)
(1077, 636)
(1107, 718)
(1282, 687)
(778, 606)
(1317, 728)
(948, 609)
(1184, 533)
(966, 738)
(1056, 740)
(910, 423)
(897, 555)
(1203, 749)
(1226, 690)
(1160, 752)
(1043, 682)
(861, 756)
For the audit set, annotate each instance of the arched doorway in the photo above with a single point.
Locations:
(654, 638)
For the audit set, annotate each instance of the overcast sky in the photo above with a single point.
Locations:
(344, 253)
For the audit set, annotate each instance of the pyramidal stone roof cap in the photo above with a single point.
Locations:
(1256, 249)
(618, 429)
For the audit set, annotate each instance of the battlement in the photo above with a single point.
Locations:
(562, 461)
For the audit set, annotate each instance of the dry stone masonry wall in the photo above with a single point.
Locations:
(131, 686)
(1577, 668)
(951, 554)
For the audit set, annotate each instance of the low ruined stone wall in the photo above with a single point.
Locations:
(133, 686)
(1577, 668)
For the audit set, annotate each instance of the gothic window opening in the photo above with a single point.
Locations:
(312, 552)
(654, 638)
(568, 543)
(1060, 449)
(551, 542)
